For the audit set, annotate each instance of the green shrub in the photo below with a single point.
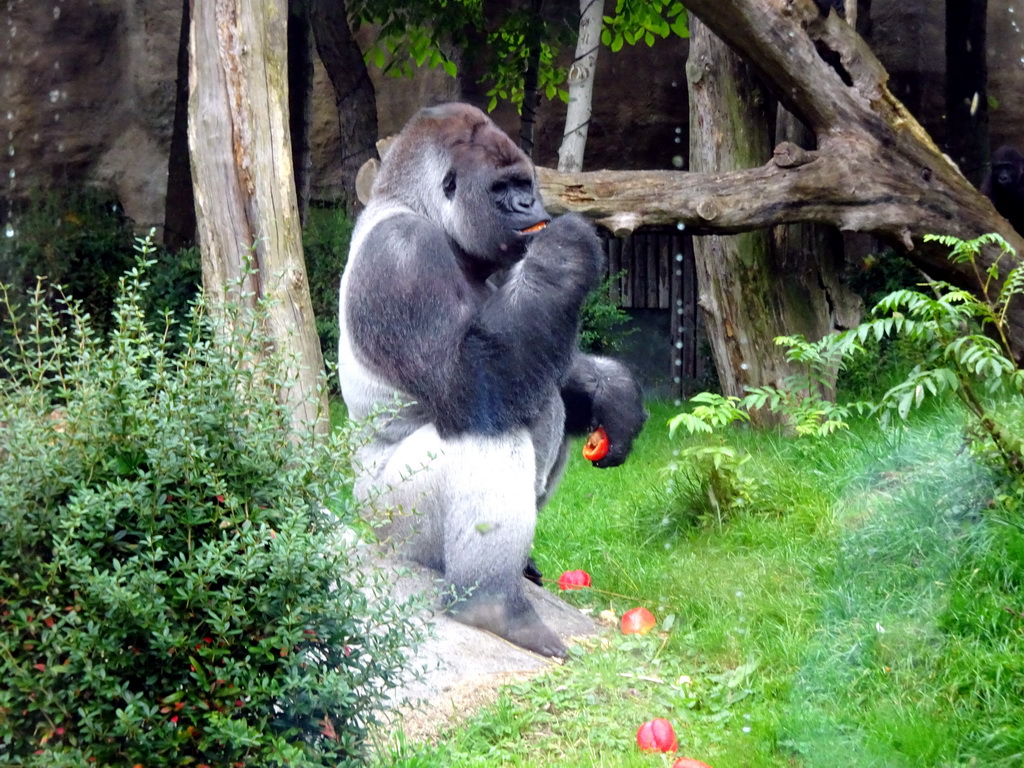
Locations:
(173, 588)
(82, 240)
(79, 239)
(603, 323)
(325, 243)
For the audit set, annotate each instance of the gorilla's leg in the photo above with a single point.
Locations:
(402, 487)
(475, 512)
(488, 532)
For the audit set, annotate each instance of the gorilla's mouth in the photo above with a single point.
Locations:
(533, 229)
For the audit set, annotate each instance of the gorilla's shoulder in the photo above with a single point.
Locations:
(408, 237)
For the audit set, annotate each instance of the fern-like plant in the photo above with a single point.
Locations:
(963, 345)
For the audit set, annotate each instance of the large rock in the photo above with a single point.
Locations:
(88, 96)
(461, 668)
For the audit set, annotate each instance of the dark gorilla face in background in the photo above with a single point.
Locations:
(479, 185)
(1004, 185)
(1006, 167)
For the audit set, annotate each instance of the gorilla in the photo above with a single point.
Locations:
(1004, 185)
(460, 303)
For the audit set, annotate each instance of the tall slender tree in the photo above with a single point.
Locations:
(581, 86)
(354, 94)
(247, 211)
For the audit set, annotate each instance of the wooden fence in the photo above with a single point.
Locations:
(653, 269)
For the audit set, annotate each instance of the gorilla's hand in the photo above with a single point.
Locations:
(602, 392)
(566, 251)
(622, 422)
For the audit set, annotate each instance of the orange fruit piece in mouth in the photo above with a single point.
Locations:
(535, 228)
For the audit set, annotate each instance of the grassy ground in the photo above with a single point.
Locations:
(863, 608)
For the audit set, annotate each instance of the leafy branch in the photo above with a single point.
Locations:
(963, 346)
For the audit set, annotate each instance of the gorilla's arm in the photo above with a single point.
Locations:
(479, 360)
(602, 392)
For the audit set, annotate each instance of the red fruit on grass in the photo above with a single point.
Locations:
(657, 735)
(574, 580)
(637, 621)
(689, 762)
(596, 447)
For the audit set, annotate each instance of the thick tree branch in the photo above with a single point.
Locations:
(876, 169)
(846, 189)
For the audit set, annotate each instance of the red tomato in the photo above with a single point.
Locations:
(597, 444)
(689, 762)
(574, 580)
(637, 621)
(657, 735)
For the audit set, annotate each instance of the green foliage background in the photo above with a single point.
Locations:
(181, 579)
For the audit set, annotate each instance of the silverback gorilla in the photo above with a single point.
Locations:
(461, 298)
(1004, 185)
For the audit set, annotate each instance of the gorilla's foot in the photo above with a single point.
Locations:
(535, 636)
(532, 573)
(522, 627)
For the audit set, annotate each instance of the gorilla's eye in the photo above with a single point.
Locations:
(448, 185)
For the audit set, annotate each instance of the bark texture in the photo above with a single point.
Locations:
(875, 170)
(245, 195)
(353, 92)
(581, 87)
(300, 98)
(735, 274)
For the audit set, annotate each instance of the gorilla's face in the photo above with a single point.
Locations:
(1007, 167)
(471, 179)
(1005, 174)
(493, 209)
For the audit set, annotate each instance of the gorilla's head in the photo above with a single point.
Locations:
(1007, 166)
(452, 164)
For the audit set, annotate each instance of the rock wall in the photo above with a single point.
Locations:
(87, 95)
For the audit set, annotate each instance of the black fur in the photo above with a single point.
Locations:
(1004, 185)
(601, 392)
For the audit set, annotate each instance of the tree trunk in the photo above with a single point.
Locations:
(353, 93)
(581, 87)
(735, 274)
(967, 87)
(244, 185)
(875, 170)
(810, 260)
(531, 98)
(180, 201)
(300, 98)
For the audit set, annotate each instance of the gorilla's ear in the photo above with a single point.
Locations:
(367, 173)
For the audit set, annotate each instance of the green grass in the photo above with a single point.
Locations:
(863, 608)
